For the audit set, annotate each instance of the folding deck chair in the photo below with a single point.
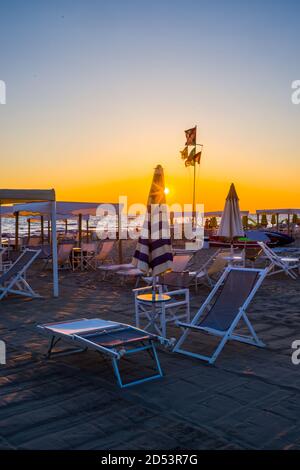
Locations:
(224, 308)
(287, 264)
(13, 280)
(112, 339)
(104, 253)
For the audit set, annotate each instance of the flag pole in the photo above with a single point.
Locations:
(194, 195)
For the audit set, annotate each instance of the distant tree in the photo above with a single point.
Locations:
(264, 220)
(295, 219)
(273, 220)
(245, 221)
(207, 224)
(213, 222)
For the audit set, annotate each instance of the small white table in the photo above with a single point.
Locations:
(163, 308)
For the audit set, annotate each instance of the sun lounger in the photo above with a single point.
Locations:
(290, 265)
(180, 277)
(223, 309)
(114, 340)
(104, 253)
(13, 280)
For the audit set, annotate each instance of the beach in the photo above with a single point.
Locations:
(248, 400)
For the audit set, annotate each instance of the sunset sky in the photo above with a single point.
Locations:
(99, 92)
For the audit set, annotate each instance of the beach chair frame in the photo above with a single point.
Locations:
(228, 334)
(278, 264)
(19, 280)
(115, 354)
(158, 316)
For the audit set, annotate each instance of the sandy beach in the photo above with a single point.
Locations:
(248, 400)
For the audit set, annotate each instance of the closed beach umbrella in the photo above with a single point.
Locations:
(231, 222)
(154, 250)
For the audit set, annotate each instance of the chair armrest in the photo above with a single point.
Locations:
(141, 289)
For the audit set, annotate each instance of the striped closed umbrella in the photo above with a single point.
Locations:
(231, 222)
(154, 250)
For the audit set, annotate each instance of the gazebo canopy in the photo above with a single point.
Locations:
(13, 196)
(64, 210)
(219, 213)
(278, 211)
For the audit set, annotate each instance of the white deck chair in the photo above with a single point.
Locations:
(287, 264)
(114, 340)
(158, 315)
(177, 277)
(104, 253)
(13, 280)
(64, 252)
(223, 309)
(179, 263)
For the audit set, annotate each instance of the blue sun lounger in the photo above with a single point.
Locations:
(114, 340)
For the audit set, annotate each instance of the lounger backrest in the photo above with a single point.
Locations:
(89, 247)
(268, 251)
(180, 263)
(217, 265)
(20, 265)
(64, 251)
(231, 296)
(34, 241)
(105, 250)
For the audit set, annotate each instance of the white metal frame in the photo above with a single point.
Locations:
(23, 287)
(283, 264)
(83, 343)
(159, 314)
(228, 334)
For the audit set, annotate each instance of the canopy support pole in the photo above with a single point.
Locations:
(66, 226)
(54, 249)
(87, 230)
(42, 229)
(17, 231)
(119, 232)
(79, 229)
(49, 232)
(28, 229)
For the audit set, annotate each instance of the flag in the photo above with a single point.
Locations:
(192, 158)
(197, 157)
(184, 153)
(190, 135)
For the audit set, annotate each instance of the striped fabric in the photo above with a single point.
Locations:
(154, 250)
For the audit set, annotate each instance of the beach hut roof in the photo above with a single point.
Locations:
(13, 196)
(64, 210)
(278, 211)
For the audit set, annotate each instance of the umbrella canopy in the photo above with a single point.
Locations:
(154, 250)
(231, 222)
